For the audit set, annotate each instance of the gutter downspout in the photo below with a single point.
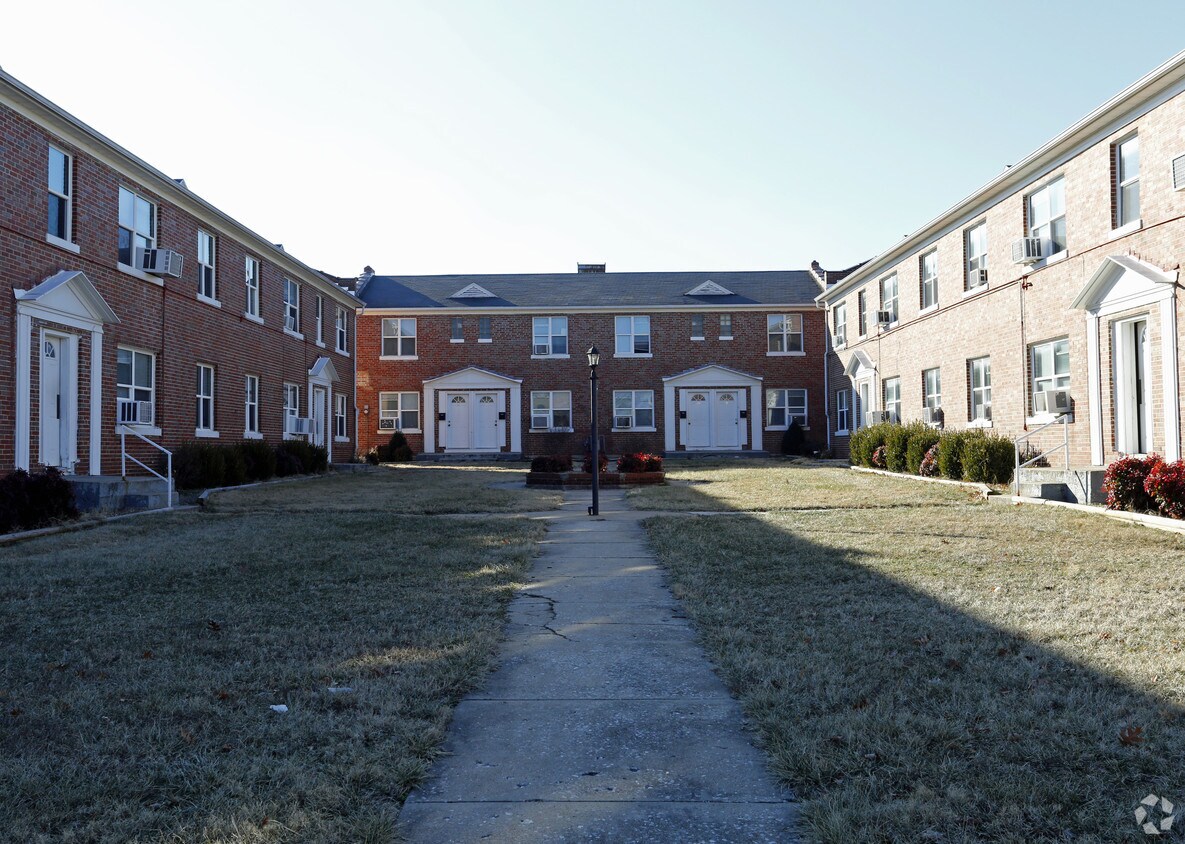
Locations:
(827, 353)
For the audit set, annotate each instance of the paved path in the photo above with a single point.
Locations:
(604, 720)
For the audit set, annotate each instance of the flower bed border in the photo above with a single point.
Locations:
(583, 480)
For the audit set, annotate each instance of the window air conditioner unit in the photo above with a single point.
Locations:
(884, 317)
(977, 277)
(623, 421)
(1027, 250)
(539, 349)
(1052, 401)
(160, 262)
(386, 424)
(135, 412)
(875, 417)
(841, 338)
(539, 423)
(299, 425)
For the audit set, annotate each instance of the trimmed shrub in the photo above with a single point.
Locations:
(639, 462)
(1124, 482)
(586, 466)
(199, 465)
(922, 438)
(287, 463)
(988, 459)
(864, 443)
(552, 463)
(311, 458)
(896, 441)
(372, 457)
(878, 457)
(929, 465)
(259, 459)
(1166, 486)
(234, 470)
(950, 454)
(792, 439)
(34, 501)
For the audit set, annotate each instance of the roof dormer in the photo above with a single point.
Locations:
(473, 291)
(709, 288)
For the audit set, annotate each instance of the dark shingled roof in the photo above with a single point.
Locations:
(580, 290)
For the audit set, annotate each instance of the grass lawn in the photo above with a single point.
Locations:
(783, 485)
(140, 659)
(408, 488)
(946, 672)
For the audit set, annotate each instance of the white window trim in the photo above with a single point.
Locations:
(649, 335)
(65, 243)
(896, 298)
(786, 334)
(1119, 183)
(702, 332)
(729, 335)
(155, 212)
(212, 267)
(846, 430)
(1126, 229)
(981, 258)
(341, 333)
(147, 430)
(290, 390)
(127, 269)
(806, 405)
(886, 405)
(292, 332)
(978, 421)
(250, 433)
(550, 336)
(340, 399)
(398, 337)
(399, 411)
(319, 336)
(922, 281)
(212, 432)
(62, 244)
(256, 315)
(648, 429)
(551, 409)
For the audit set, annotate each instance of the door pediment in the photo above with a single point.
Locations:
(471, 378)
(67, 297)
(1123, 282)
(713, 375)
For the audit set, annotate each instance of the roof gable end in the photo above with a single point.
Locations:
(473, 291)
(709, 288)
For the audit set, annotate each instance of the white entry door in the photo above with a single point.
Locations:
(484, 427)
(1133, 399)
(726, 419)
(456, 421)
(699, 419)
(713, 419)
(55, 403)
(320, 403)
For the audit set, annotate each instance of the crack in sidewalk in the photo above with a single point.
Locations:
(550, 609)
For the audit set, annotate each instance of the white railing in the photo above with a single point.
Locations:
(124, 430)
(1064, 421)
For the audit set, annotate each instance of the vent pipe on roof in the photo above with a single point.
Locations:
(590, 268)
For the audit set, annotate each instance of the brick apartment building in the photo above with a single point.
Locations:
(1054, 287)
(690, 361)
(137, 306)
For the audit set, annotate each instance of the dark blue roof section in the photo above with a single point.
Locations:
(582, 290)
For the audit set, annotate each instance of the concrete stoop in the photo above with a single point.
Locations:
(470, 457)
(1077, 486)
(114, 493)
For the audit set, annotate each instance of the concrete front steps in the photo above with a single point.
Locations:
(113, 493)
(1077, 486)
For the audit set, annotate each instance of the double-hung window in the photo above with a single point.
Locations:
(1127, 181)
(457, 330)
(135, 386)
(137, 226)
(932, 389)
(291, 306)
(633, 409)
(319, 337)
(205, 398)
(726, 326)
(889, 297)
(929, 276)
(251, 405)
(485, 331)
(251, 278)
(975, 248)
(1051, 367)
(862, 307)
(399, 411)
(339, 416)
(843, 419)
(979, 376)
(342, 335)
(291, 408)
(783, 407)
(785, 334)
(633, 336)
(1047, 217)
(207, 283)
(840, 316)
(61, 189)
(399, 338)
(551, 411)
(697, 326)
(549, 336)
(892, 404)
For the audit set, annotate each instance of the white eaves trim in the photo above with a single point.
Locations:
(589, 309)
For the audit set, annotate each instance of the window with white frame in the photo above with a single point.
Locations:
(783, 407)
(697, 326)
(137, 225)
(633, 409)
(339, 416)
(862, 307)
(892, 396)
(785, 333)
(207, 284)
(457, 329)
(1051, 367)
(632, 336)
(485, 331)
(291, 407)
(929, 276)
(135, 386)
(840, 317)
(205, 397)
(549, 336)
(932, 389)
(251, 279)
(342, 331)
(1127, 181)
(320, 321)
(726, 326)
(399, 338)
(399, 411)
(551, 411)
(843, 417)
(251, 405)
(61, 189)
(889, 297)
(975, 248)
(1047, 217)
(291, 306)
(979, 376)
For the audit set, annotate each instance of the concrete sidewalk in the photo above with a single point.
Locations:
(604, 720)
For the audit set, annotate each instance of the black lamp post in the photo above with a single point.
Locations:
(594, 360)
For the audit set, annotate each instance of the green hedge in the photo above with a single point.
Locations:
(866, 441)
(971, 455)
(205, 465)
(921, 439)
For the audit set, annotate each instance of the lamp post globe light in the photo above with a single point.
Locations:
(594, 360)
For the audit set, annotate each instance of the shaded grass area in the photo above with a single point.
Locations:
(762, 485)
(408, 488)
(140, 660)
(948, 673)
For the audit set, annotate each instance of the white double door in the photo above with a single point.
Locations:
(470, 421)
(713, 418)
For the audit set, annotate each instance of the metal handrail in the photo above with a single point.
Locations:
(124, 430)
(1064, 421)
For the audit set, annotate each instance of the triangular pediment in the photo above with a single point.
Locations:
(709, 288)
(68, 294)
(473, 291)
(859, 365)
(712, 374)
(473, 377)
(1122, 280)
(323, 370)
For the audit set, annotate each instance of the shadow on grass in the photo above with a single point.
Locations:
(947, 674)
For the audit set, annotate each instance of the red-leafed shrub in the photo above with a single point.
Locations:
(1124, 483)
(1165, 485)
(929, 466)
(878, 457)
(639, 462)
(586, 466)
(552, 463)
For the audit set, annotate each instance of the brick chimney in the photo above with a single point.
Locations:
(590, 268)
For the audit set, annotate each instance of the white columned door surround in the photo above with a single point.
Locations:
(1123, 283)
(485, 401)
(712, 380)
(66, 299)
(862, 373)
(322, 377)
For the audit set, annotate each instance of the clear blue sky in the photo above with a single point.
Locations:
(515, 136)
